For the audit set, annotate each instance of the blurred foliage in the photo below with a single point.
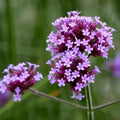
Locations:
(25, 25)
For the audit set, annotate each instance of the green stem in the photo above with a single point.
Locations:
(57, 99)
(89, 103)
(90, 108)
(106, 105)
(10, 33)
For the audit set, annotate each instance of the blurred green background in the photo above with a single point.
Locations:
(24, 27)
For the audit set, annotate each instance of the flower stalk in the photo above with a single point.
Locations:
(89, 103)
(12, 51)
(106, 104)
(89, 109)
(56, 99)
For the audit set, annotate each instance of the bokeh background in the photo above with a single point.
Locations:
(24, 27)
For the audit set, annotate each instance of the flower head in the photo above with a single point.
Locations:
(19, 78)
(114, 65)
(4, 97)
(76, 39)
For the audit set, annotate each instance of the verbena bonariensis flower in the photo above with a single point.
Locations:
(4, 97)
(76, 39)
(114, 65)
(19, 78)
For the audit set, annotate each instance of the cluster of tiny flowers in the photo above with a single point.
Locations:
(76, 39)
(114, 65)
(19, 78)
(4, 97)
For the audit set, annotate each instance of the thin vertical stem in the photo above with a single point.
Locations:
(10, 33)
(89, 103)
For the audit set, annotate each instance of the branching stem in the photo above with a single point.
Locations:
(89, 109)
(57, 99)
(106, 104)
(89, 103)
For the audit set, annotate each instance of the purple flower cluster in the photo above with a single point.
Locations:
(19, 78)
(114, 65)
(76, 39)
(4, 97)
